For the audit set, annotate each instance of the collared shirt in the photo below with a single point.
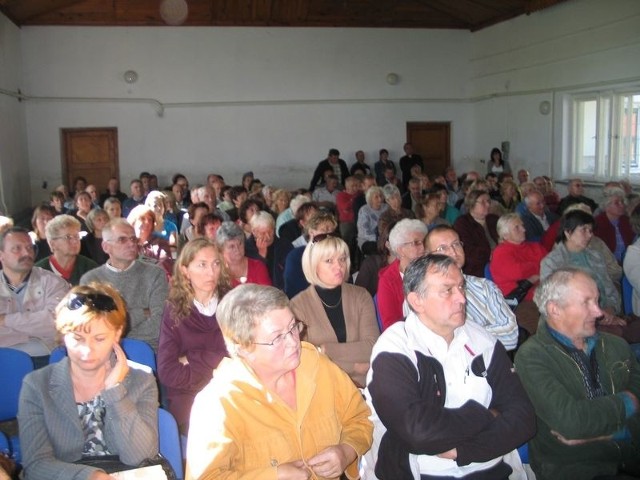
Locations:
(209, 309)
(118, 270)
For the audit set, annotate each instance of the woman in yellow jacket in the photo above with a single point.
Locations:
(277, 409)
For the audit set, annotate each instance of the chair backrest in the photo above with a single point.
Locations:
(139, 351)
(14, 366)
(487, 272)
(170, 441)
(57, 354)
(627, 294)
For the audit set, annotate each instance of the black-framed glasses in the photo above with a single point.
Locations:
(294, 331)
(95, 301)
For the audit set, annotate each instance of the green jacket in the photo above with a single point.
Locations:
(82, 266)
(555, 386)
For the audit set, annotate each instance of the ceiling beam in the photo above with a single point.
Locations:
(24, 10)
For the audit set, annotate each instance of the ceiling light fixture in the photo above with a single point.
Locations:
(174, 12)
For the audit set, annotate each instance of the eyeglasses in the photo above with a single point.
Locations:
(95, 301)
(68, 238)
(294, 331)
(413, 243)
(456, 246)
(124, 240)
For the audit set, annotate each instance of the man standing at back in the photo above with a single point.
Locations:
(28, 298)
(142, 285)
(332, 162)
(407, 161)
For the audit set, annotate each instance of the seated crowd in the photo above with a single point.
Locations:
(367, 326)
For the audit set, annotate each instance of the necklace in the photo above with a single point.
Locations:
(331, 306)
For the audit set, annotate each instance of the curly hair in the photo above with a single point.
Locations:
(181, 294)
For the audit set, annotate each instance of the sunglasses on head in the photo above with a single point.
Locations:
(323, 236)
(95, 301)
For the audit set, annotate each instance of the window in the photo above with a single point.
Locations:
(605, 135)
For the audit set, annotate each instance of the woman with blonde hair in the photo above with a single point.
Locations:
(163, 228)
(152, 249)
(90, 413)
(340, 317)
(191, 344)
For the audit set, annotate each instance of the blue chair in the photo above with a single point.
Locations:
(627, 294)
(57, 354)
(136, 350)
(378, 317)
(523, 451)
(170, 441)
(15, 366)
(487, 273)
(140, 352)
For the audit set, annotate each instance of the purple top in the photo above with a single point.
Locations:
(198, 338)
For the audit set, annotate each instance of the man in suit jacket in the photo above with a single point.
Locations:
(537, 217)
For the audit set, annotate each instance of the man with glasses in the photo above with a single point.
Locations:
(485, 303)
(63, 236)
(28, 297)
(142, 285)
(446, 401)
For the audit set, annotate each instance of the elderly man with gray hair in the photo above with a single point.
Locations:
(584, 385)
(446, 402)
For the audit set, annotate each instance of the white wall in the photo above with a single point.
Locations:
(14, 165)
(275, 100)
(580, 44)
(295, 93)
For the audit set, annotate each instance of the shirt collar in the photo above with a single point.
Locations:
(565, 341)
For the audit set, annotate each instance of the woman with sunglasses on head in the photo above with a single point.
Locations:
(90, 408)
(340, 318)
(191, 344)
(277, 408)
(406, 242)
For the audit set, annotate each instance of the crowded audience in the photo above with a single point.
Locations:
(388, 271)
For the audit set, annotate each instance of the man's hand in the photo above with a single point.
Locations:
(579, 441)
(449, 455)
(332, 461)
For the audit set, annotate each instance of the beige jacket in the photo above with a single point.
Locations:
(361, 324)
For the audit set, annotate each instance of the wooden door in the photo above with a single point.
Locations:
(91, 153)
(431, 140)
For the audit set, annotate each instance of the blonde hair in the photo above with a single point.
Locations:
(317, 251)
(70, 320)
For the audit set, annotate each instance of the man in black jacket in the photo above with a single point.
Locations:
(446, 401)
(332, 162)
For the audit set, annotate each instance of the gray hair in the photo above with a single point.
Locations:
(262, 219)
(555, 288)
(611, 193)
(58, 223)
(228, 231)
(91, 217)
(403, 229)
(528, 198)
(389, 191)
(297, 201)
(107, 231)
(417, 271)
(504, 224)
(242, 308)
(373, 190)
